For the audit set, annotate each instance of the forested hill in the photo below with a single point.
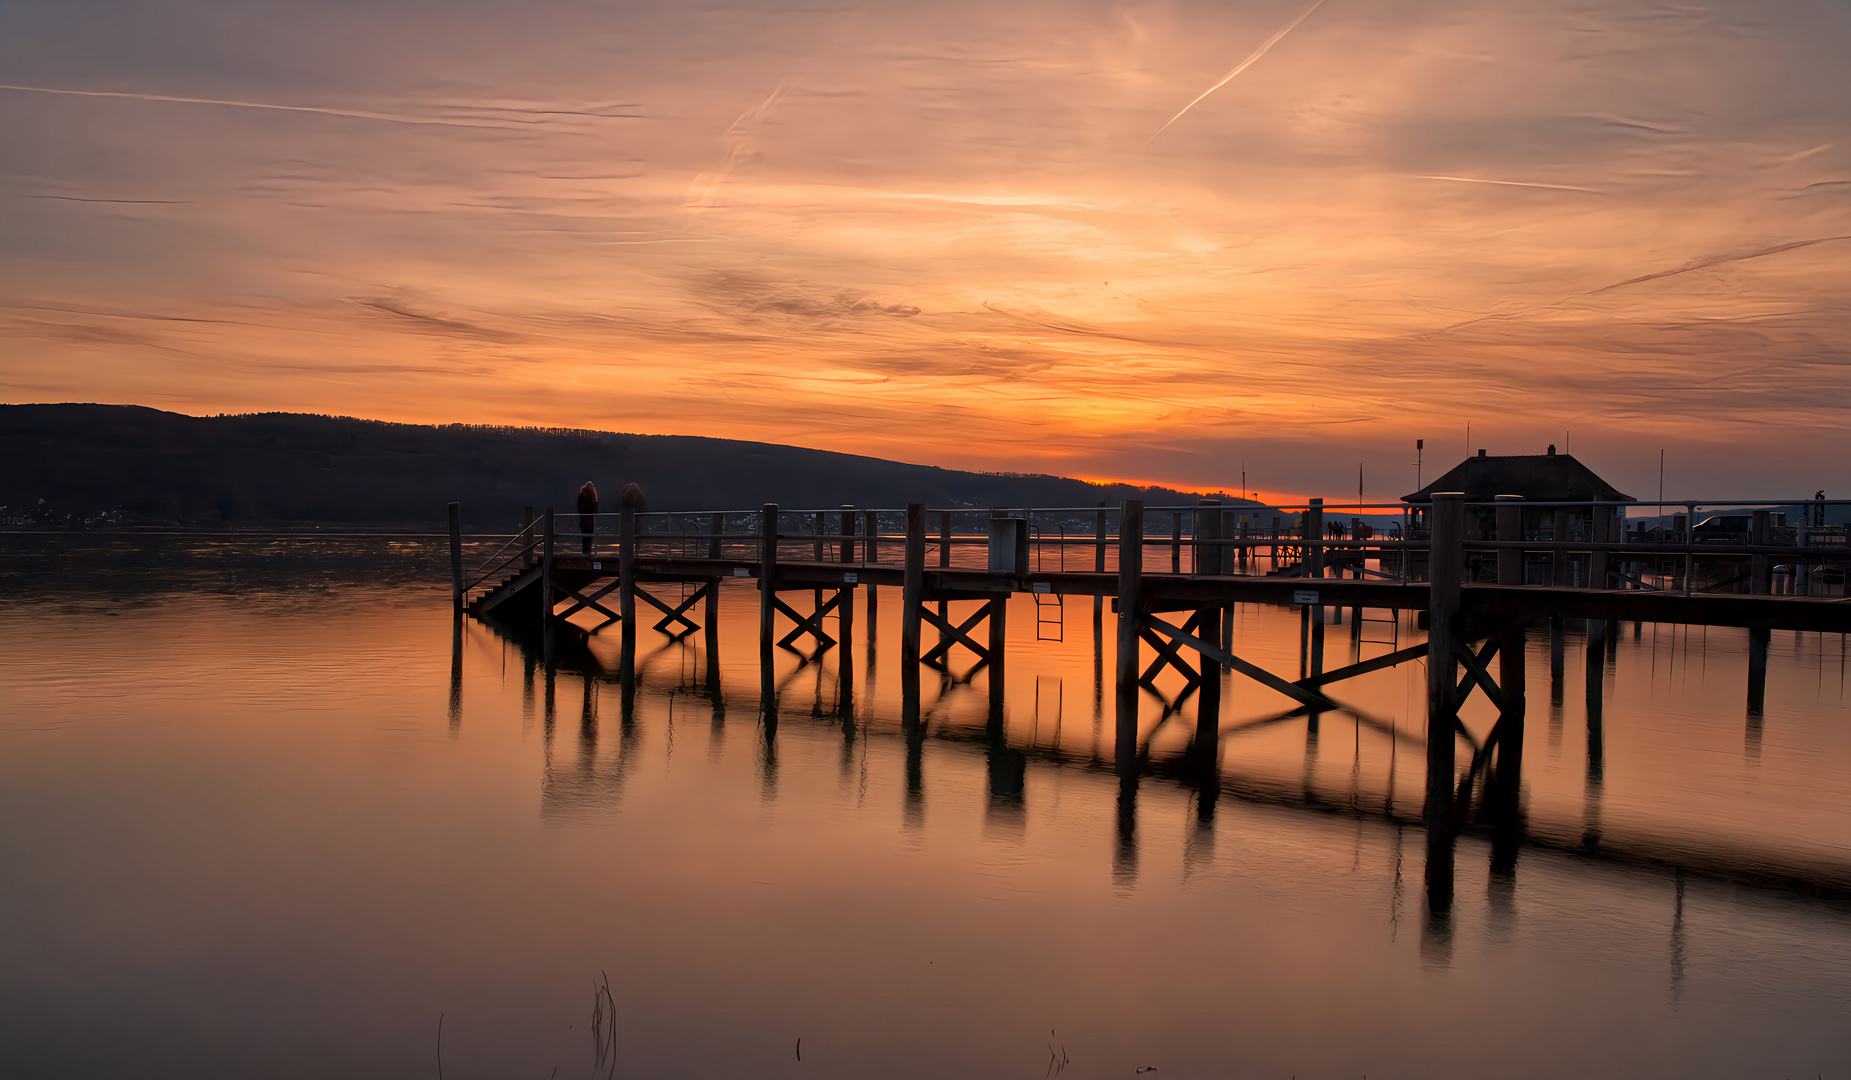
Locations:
(66, 464)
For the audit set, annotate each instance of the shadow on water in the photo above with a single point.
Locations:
(819, 689)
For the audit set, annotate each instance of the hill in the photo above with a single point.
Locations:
(125, 464)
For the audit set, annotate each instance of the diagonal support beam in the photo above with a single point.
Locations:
(1168, 655)
(582, 602)
(1302, 695)
(956, 634)
(810, 624)
(677, 613)
(1413, 652)
(1476, 673)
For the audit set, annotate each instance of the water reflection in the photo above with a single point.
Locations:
(662, 864)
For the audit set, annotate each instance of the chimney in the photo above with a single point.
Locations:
(1481, 453)
(1551, 449)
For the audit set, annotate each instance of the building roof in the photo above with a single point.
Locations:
(1537, 477)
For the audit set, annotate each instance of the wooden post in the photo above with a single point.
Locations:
(527, 538)
(1314, 539)
(1510, 528)
(716, 525)
(1758, 638)
(1445, 560)
(1130, 617)
(1176, 542)
(546, 571)
(1600, 528)
(767, 582)
(870, 536)
(1512, 688)
(626, 570)
(848, 533)
(1099, 557)
(818, 527)
(1759, 572)
(913, 585)
(1558, 559)
(1208, 695)
(845, 603)
(944, 561)
(912, 600)
(456, 555)
(998, 620)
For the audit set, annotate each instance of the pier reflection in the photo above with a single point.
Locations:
(1171, 735)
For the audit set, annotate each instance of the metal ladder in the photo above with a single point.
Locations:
(1050, 607)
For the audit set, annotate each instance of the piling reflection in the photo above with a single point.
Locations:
(456, 671)
(945, 705)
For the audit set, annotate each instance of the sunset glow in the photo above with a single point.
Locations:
(956, 233)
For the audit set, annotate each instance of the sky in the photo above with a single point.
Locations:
(1039, 237)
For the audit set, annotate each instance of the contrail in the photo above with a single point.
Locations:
(385, 117)
(1238, 68)
(1509, 183)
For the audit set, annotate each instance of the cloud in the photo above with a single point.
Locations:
(937, 229)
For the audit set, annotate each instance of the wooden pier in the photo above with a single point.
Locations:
(1176, 616)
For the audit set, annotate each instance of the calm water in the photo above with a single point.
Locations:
(264, 812)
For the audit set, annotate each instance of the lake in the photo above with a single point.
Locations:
(267, 809)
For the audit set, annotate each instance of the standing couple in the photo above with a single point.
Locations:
(631, 495)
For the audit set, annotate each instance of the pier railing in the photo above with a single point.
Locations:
(1601, 549)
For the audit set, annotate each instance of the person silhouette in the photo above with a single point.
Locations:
(587, 507)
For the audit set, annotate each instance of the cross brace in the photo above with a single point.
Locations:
(811, 624)
(960, 634)
(591, 602)
(678, 613)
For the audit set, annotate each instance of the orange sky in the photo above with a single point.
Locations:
(957, 233)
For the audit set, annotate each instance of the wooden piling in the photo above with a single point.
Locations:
(1760, 574)
(1558, 559)
(912, 594)
(1510, 528)
(1512, 688)
(456, 555)
(626, 575)
(546, 571)
(767, 581)
(999, 621)
(845, 597)
(1314, 539)
(1208, 696)
(1210, 557)
(1445, 561)
(911, 606)
(1130, 615)
(870, 537)
(1098, 557)
(716, 526)
(1758, 639)
(1601, 531)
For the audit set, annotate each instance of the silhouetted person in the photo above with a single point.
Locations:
(587, 506)
(631, 495)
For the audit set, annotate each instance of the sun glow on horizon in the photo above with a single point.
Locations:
(945, 234)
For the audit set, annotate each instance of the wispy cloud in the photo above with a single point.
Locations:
(1254, 56)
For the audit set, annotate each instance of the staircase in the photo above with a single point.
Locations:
(511, 586)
